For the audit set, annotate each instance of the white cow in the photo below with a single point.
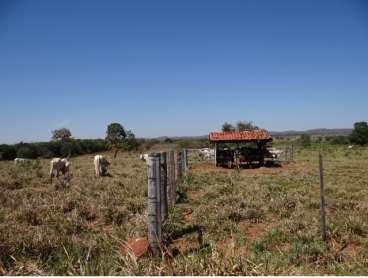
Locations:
(275, 153)
(101, 165)
(22, 161)
(58, 165)
(207, 153)
(143, 157)
(350, 147)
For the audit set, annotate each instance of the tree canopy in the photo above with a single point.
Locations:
(115, 135)
(359, 135)
(240, 126)
(61, 134)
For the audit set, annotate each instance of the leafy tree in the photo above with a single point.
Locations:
(115, 135)
(62, 134)
(305, 140)
(359, 135)
(244, 125)
(130, 143)
(226, 127)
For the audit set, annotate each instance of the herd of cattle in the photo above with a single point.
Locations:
(62, 165)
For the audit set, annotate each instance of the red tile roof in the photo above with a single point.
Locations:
(249, 135)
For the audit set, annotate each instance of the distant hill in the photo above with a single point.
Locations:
(317, 131)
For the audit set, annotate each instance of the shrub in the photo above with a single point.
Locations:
(7, 152)
(340, 140)
(26, 151)
(305, 140)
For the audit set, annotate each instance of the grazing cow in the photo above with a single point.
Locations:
(58, 165)
(22, 161)
(143, 157)
(101, 165)
(350, 147)
(207, 153)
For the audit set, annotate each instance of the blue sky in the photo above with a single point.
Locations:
(180, 67)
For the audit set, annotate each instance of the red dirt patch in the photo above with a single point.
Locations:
(193, 195)
(187, 215)
(254, 230)
(352, 249)
(136, 246)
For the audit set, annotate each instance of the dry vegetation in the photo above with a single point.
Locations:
(227, 222)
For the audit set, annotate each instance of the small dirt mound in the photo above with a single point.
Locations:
(136, 246)
(253, 230)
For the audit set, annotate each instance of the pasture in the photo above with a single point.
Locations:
(227, 222)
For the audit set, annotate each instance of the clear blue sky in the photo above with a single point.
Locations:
(180, 67)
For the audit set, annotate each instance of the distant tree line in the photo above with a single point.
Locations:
(52, 149)
(359, 136)
(64, 145)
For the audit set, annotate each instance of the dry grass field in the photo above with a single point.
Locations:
(252, 222)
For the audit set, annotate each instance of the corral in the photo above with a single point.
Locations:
(249, 222)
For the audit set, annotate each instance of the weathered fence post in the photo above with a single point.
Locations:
(179, 167)
(171, 175)
(292, 152)
(287, 154)
(185, 161)
(154, 204)
(163, 186)
(323, 208)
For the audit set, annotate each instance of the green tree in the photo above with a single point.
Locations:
(244, 125)
(130, 143)
(62, 134)
(359, 135)
(226, 127)
(305, 140)
(115, 135)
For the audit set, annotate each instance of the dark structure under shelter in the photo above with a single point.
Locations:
(240, 148)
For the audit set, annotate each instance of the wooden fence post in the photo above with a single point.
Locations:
(171, 174)
(163, 186)
(292, 152)
(185, 161)
(323, 208)
(154, 206)
(179, 167)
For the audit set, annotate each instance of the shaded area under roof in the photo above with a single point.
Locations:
(242, 136)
